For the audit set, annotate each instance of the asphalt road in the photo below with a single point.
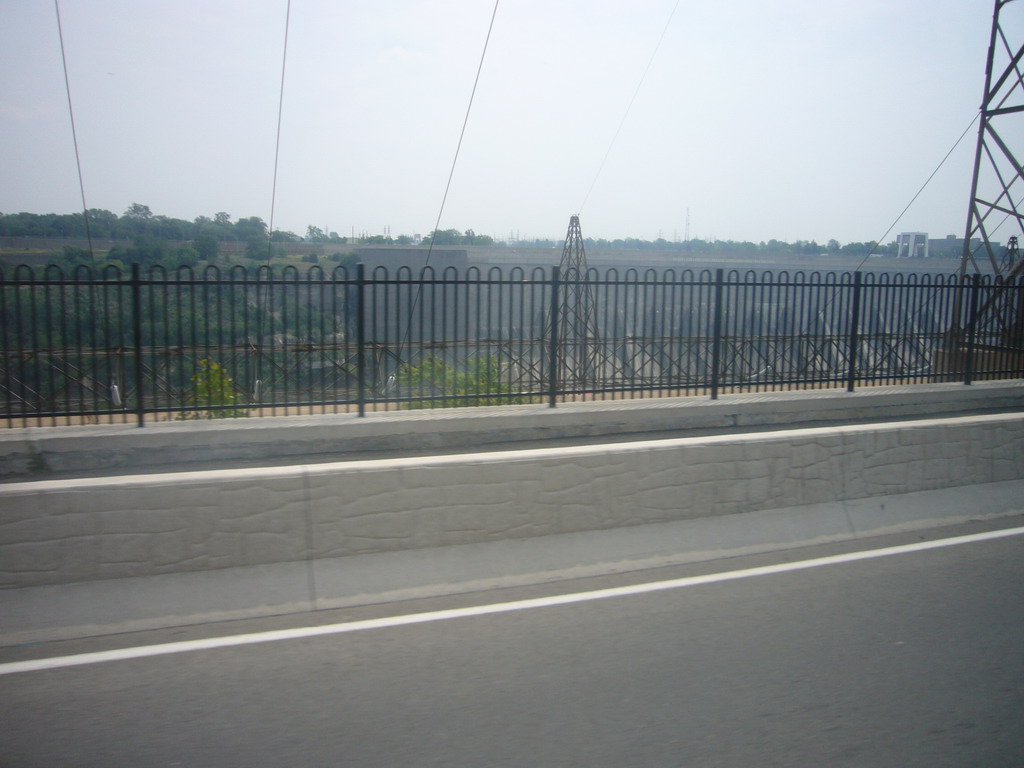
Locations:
(914, 659)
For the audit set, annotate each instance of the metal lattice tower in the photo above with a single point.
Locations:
(997, 187)
(579, 340)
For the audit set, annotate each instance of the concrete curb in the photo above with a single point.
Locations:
(38, 451)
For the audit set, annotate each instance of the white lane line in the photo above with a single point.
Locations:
(483, 610)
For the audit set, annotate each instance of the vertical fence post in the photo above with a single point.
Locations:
(851, 376)
(136, 288)
(972, 329)
(556, 280)
(716, 339)
(361, 337)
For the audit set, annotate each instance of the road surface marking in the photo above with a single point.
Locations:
(483, 610)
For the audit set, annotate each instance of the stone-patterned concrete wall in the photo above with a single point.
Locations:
(67, 531)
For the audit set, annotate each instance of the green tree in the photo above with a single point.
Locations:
(212, 385)
(145, 249)
(857, 249)
(253, 226)
(206, 245)
(444, 237)
(257, 247)
(138, 211)
(186, 256)
(219, 226)
(102, 223)
(71, 257)
(472, 238)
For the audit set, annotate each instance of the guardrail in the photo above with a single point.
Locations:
(124, 346)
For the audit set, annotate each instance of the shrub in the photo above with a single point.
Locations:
(213, 385)
(484, 378)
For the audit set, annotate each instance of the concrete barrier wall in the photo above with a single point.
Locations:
(33, 452)
(64, 531)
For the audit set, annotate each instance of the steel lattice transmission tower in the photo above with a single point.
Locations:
(997, 189)
(997, 186)
(580, 350)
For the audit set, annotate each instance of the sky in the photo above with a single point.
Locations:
(755, 120)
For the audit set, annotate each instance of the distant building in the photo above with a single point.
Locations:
(917, 245)
(912, 245)
(952, 247)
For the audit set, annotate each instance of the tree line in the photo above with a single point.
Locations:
(140, 221)
(149, 234)
(141, 226)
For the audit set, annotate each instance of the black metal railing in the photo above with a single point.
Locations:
(86, 347)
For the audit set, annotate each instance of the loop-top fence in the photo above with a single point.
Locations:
(130, 346)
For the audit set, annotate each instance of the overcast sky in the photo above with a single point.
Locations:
(785, 119)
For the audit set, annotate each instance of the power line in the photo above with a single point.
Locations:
(277, 143)
(465, 122)
(451, 172)
(629, 106)
(878, 242)
(918, 194)
(258, 379)
(74, 133)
